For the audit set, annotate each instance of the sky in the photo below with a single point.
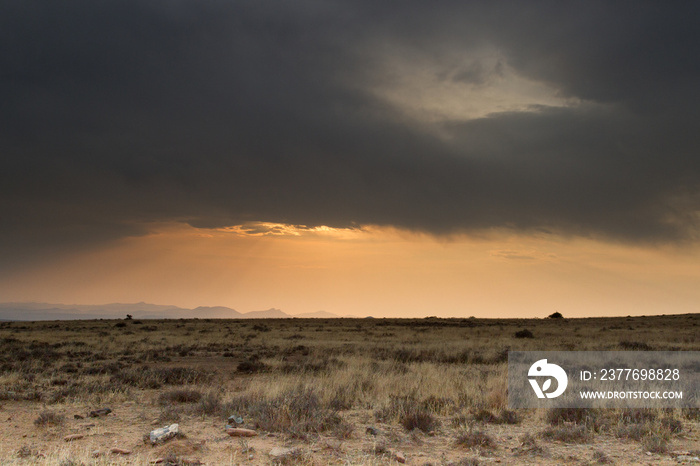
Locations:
(399, 159)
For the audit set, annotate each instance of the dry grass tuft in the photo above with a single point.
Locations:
(656, 443)
(567, 434)
(297, 412)
(49, 418)
(419, 419)
(475, 438)
(179, 396)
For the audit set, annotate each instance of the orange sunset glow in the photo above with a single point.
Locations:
(371, 271)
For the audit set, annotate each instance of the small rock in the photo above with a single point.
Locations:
(240, 432)
(279, 453)
(120, 451)
(71, 437)
(164, 433)
(96, 453)
(78, 416)
(400, 457)
(250, 457)
(235, 419)
(100, 412)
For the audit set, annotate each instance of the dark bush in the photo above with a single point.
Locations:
(556, 315)
(635, 346)
(297, 412)
(655, 443)
(581, 416)
(568, 434)
(419, 419)
(475, 438)
(209, 405)
(525, 333)
(509, 417)
(251, 366)
(674, 426)
(179, 396)
(638, 416)
(48, 418)
(485, 416)
(633, 431)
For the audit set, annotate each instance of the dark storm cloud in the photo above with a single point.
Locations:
(119, 113)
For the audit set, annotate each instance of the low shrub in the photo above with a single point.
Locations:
(419, 419)
(525, 333)
(568, 434)
(638, 416)
(49, 418)
(655, 443)
(297, 412)
(252, 366)
(635, 346)
(179, 396)
(505, 417)
(586, 417)
(600, 457)
(633, 431)
(209, 405)
(475, 438)
(673, 426)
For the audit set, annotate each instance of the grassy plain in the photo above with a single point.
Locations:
(335, 391)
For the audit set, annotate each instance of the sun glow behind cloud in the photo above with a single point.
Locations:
(283, 229)
(462, 86)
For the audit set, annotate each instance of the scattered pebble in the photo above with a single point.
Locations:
(120, 451)
(240, 432)
(400, 457)
(280, 453)
(100, 412)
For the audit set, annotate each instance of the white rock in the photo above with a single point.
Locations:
(164, 433)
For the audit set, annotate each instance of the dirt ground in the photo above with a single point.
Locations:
(329, 391)
(204, 440)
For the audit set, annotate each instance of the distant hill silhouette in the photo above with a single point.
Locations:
(51, 311)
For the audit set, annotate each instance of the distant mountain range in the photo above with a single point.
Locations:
(47, 311)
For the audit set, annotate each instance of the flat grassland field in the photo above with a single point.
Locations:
(320, 391)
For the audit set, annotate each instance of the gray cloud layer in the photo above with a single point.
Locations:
(119, 113)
